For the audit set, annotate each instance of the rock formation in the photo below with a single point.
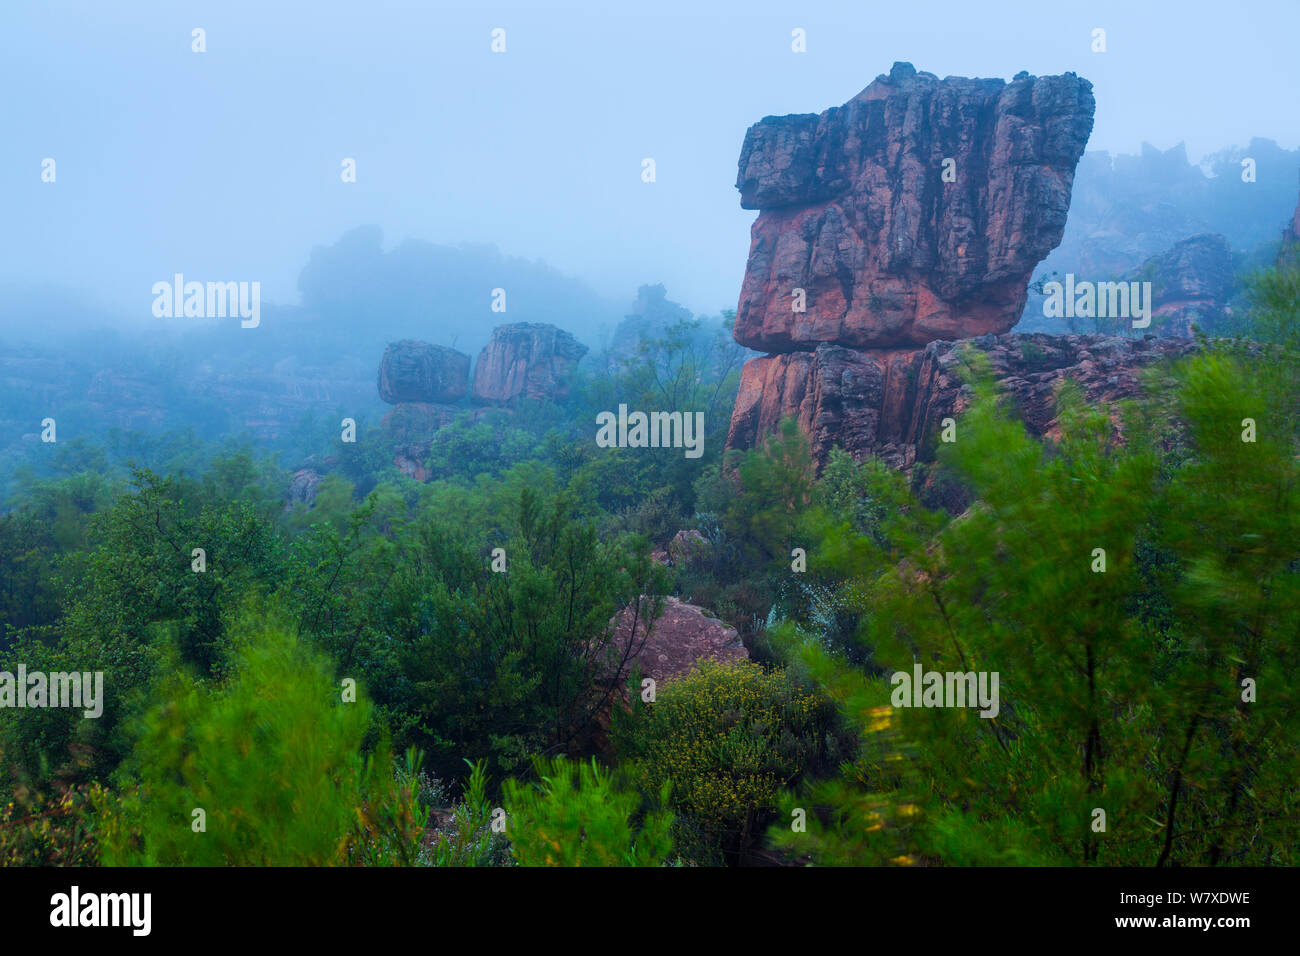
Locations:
(303, 487)
(412, 371)
(910, 217)
(653, 313)
(678, 639)
(411, 426)
(891, 403)
(426, 383)
(528, 359)
(1190, 283)
(917, 211)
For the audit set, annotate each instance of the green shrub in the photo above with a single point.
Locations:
(273, 759)
(729, 737)
(468, 838)
(577, 816)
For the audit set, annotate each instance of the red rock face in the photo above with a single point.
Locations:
(898, 261)
(526, 359)
(891, 404)
(855, 209)
(414, 371)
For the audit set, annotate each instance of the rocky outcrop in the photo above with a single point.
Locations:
(1191, 283)
(425, 382)
(526, 359)
(915, 212)
(891, 403)
(302, 489)
(907, 220)
(679, 638)
(411, 427)
(653, 313)
(687, 546)
(128, 400)
(412, 371)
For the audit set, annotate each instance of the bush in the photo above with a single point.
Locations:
(729, 736)
(273, 759)
(577, 816)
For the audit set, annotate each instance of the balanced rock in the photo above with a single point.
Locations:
(414, 371)
(526, 359)
(914, 212)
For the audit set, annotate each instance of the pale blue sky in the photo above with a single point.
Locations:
(226, 164)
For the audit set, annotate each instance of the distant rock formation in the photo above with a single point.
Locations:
(529, 359)
(891, 403)
(426, 384)
(1191, 284)
(1124, 209)
(411, 426)
(917, 211)
(412, 371)
(652, 314)
(127, 399)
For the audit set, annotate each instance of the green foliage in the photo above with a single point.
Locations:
(775, 487)
(273, 758)
(48, 829)
(1120, 689)
(464, 660)
(469, 838)
(575, 815)
(729, 737)
(1273, 301)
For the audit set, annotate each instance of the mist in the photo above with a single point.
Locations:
(226, 165)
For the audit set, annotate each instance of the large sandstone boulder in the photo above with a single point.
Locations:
(412, 371)
(526, 359)
(855, 209)
(892, 403)
(679, 638)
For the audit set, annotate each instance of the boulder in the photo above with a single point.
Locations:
(412, 371)
(1191, 283)
(526, 359)
(681, 636)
